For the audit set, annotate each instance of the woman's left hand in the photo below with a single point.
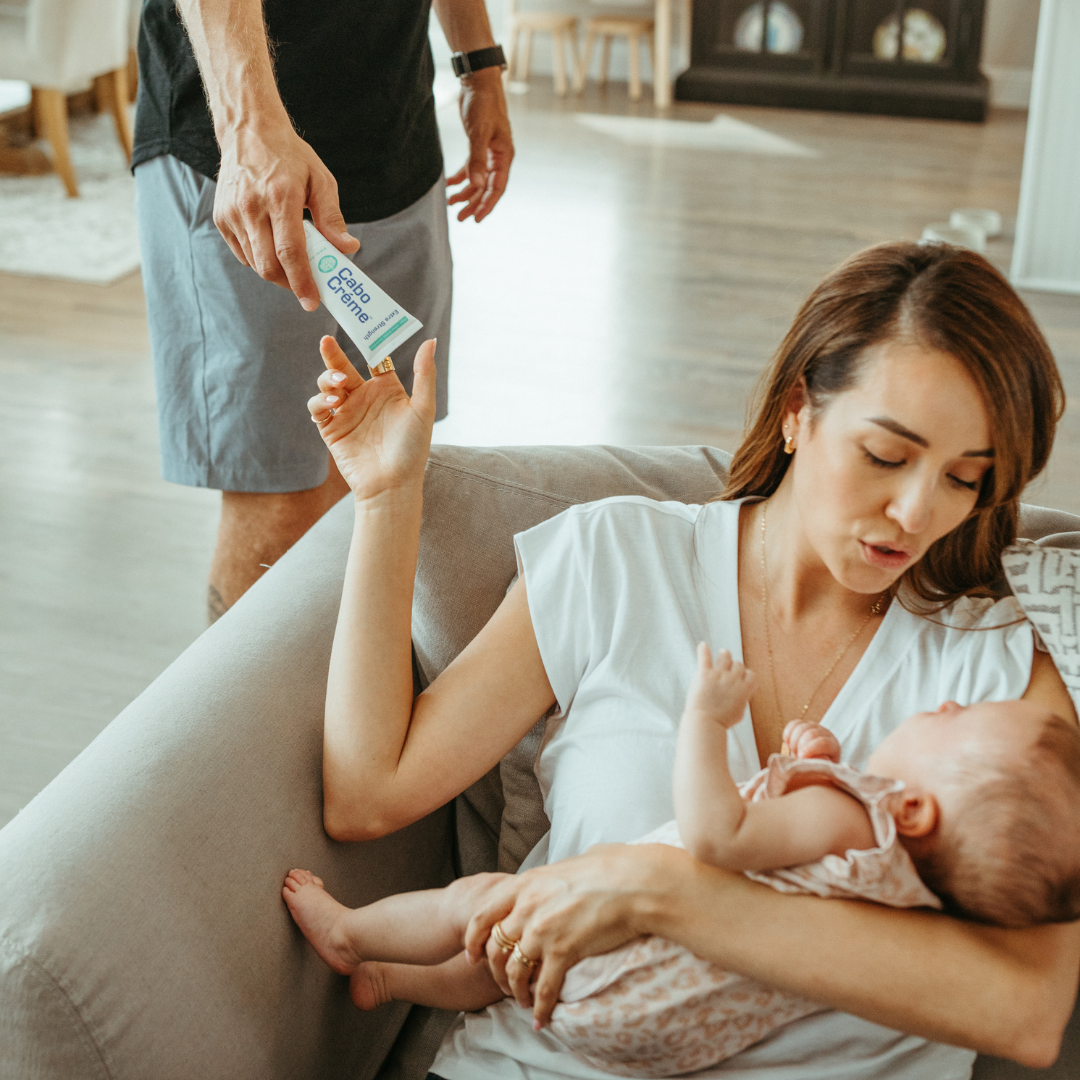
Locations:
(561, 913)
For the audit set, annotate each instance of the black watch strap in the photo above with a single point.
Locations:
(466, 63)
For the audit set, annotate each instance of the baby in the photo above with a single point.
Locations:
(962, 809)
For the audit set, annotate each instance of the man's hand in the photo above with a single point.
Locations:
(268, 175)
(491, 146)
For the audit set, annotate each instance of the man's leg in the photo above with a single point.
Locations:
(256, 529)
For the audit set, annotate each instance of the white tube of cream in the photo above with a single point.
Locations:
(375, 321)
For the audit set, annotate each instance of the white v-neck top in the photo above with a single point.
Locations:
(620, 593)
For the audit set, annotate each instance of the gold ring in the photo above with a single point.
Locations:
(522, 959)
(382, 367)
(504, 943)
(327, 420)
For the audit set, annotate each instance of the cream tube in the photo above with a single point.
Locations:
(376, 322)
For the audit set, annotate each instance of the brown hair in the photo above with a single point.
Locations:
(950, 299)
(1007, 856)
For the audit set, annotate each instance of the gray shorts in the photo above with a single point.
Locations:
(236, 357)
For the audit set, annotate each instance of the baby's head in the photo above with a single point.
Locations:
(990, 813)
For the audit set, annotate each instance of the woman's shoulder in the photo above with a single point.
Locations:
(627, 535)
(975, 649)
(625, 518)
(635, 507)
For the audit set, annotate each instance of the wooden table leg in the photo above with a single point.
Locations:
(662, 55)
(51, 114)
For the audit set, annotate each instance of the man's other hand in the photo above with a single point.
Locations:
(491, 146)
(268, 175)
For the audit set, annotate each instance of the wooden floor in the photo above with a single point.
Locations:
(622, 293)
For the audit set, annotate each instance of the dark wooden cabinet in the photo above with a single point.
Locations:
(849, 55)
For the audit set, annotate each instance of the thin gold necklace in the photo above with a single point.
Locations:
(768, 637)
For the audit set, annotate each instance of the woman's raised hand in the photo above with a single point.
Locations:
(379, 436)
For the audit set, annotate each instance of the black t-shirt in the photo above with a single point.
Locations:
(355, 77)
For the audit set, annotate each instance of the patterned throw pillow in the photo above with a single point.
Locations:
(1046, 581)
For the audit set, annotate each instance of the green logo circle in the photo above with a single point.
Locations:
(327, 263)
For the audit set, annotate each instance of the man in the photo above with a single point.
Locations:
(323, 104)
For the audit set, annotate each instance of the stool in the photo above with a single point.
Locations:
(563, 31)
(606, 27)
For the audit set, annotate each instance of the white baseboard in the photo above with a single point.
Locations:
(1010, 87)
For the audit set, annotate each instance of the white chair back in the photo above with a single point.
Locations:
(63, 43)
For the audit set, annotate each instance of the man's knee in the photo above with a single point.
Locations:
(256, 529)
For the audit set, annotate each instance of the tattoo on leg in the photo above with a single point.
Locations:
(215, 605)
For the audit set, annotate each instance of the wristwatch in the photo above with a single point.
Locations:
(467, 63)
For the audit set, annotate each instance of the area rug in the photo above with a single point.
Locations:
(91, 238)
(721, 133)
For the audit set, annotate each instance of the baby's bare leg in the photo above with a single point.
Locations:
(425, 927)
(455, 984)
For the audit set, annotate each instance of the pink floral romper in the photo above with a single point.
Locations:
(653, 1009)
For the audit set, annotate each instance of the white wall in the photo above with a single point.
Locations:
(1009, 50)
(1047, 250)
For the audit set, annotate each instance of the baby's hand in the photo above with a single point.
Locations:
(808, 739)
(720, 690)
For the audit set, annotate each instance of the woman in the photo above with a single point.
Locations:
(903, 415)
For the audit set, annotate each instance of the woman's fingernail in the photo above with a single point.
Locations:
(331, 399)
(338, 377)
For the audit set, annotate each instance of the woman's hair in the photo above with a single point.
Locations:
(949, 299)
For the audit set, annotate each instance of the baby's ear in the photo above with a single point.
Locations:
(917, 813)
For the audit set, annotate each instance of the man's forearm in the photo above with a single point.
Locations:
(465, 24)
(231, 47)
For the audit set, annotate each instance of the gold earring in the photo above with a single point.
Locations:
(789, 444)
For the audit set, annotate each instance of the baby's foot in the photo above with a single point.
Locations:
(368, 986)
(321, 918)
